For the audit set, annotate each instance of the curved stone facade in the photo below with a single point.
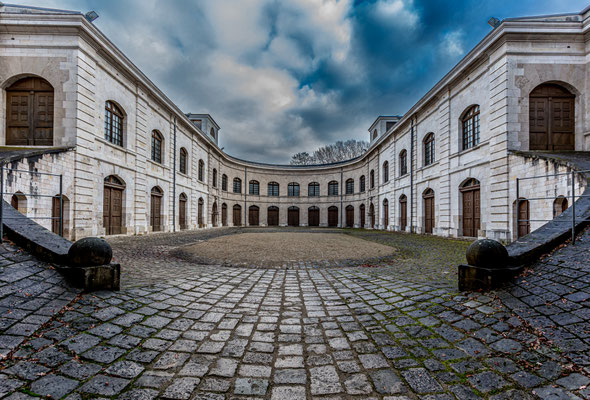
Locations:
(417, 171)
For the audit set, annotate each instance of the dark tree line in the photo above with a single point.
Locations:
(339, 151)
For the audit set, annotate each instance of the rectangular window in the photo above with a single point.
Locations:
(273, 189)
(349, 186)
(293, 190)
(237, 186)
(254, 188)
(333, 189)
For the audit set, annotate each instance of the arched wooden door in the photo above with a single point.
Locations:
(113, 205)
(224, 214)
(313, 216)
(332, 216)
(559, 205)
(551, 118)
(471, 207)
(403, 212)
(214, 214)
(349, 216)
(200, 205)
(272, 218)
(293, 216)
(29, 113)
(156, 209)
(253, 216)
(524, 226)
(237, 215)
(372, 214)
(362, 212)
(182, 211)
(385, 213)
(428, 198)
(56, 213)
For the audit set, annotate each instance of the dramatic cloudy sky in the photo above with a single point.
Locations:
(282, 76)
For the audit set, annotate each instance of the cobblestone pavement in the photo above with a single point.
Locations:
(210, 332)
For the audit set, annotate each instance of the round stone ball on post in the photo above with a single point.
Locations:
(487, 253)
(89, 252)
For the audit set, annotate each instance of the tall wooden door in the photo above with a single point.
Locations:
(349, 216)
(237, 217)
(362, 212)
(524, 226)
(272, 218)
(29, 113)
(372, 215)
(293, 216)
(471, 208)
(182, 211)
(428, 197)
(253, 216)
(403, 212)
(313, 216)
(551, 118)
(55, 214)
(156, 209)
(385, 213)
(332, 216)
(113, 205)
(214, 214)
(200, 219)
(224, 214)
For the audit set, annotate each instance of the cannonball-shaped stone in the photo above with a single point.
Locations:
(487, 253)
(90, 251)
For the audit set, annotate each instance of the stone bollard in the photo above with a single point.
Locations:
(487, 266)
(90, 265)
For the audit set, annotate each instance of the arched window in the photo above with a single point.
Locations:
(214, 177)
(183, 160)
(237, 185)
(403, 162)
(224, 182)
(254, 188)
(201, 170)
(559, 205)
(157, 141)
(333, 188)
(113, 123)
(313, 189)
(429, 149)
(273, 189)
(350, 186)
(470, 123)
(385, 171)
(362, 183)
(372, 178)
(293, 189)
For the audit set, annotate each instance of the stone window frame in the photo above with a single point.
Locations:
(293, 189)
(113, 114)
(183, 161)
(157, 147)
(254, 188)
(470, 127)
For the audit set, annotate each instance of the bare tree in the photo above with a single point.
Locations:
(339, 151)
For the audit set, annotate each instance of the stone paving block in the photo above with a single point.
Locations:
(54, 385)
(324, 380)
(125, 369)
(139, 394)
(421, 381)
(487, 381)
(81, 343)
(79, 370)
(387, 382)
(104, 385)
(251, 386)
(225, 367)
(103, 354)
(181, 388)
(358, 384)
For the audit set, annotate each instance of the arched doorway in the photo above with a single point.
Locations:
(471, 207)
(523, 217)
(237, 215)
(214, 214)
(156, 209)
(56, 213)
(362, 212)
(428, 200)
(182, 211)
(349, 216)
(372, 215)
(385, 213)
(200, 220)
(112, 215)
(559, 205)
(29, 113)
(293, 216)
(18, 201)
(403, 212)
(313, 216)
(272, 218)
(332, 216)
(224, 214)
(551, 118)
(253, 216)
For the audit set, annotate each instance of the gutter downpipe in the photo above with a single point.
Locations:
(412, 177)
(174, 181)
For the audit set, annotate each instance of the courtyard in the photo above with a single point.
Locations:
(390, 327)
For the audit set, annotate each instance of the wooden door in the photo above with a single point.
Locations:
(253, 216)
(14, 201)
(293, 216)
(273, 216)
(403, 213)
(428, 212)
(551, 118)
(313, 216)
(182, 213)
(29, 114)
(224, 214)
(471, 212)
(333, 216)
(524, 226)
(200, 220)
(350, 216)
(214, 214)
(55, 214)
(362, 211)
(385, 214)
(237, 217)
(156, 212)
(372, 214)
(113, 210)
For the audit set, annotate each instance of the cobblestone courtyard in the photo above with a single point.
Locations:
(391, 328)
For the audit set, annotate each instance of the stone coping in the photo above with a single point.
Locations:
(16, 153)
(527, 249)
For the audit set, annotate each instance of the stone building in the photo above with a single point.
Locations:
(133, 163)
